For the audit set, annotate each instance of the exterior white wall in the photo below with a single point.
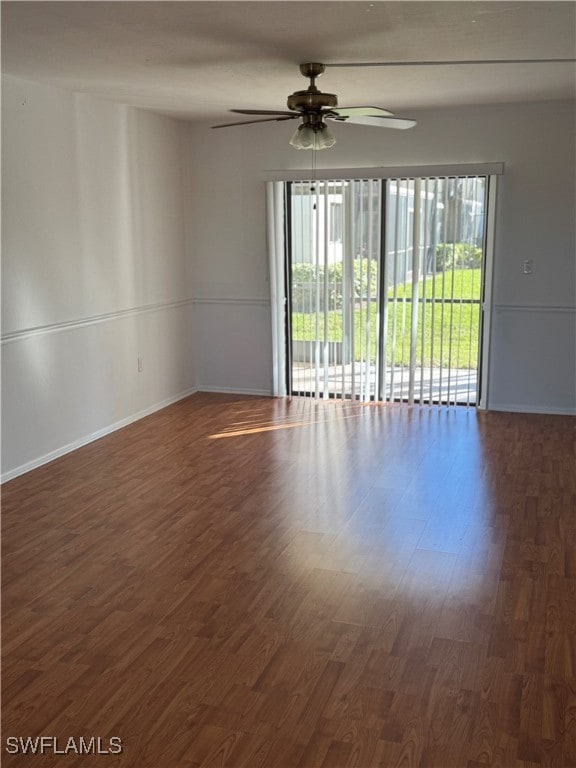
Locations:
(533, 339)
(94, 269)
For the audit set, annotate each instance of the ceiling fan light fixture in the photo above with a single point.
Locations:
(325, 138)
(317, 136)
(303, 137)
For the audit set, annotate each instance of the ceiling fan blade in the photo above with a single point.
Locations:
(381, 122)
(264, 112)
(447, 63)
(345, 112)
(263, 120)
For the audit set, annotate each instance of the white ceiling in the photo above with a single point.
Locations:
(196, 60)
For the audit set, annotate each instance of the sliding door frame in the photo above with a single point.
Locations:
(491, 171)
(482, 402)
(288, 283)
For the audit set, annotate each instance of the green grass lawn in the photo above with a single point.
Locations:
(461, 283)
(458, 321)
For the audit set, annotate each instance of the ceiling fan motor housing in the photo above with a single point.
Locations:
(311, 100)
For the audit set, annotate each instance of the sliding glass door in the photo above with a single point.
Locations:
(334, 251)
(385, 288)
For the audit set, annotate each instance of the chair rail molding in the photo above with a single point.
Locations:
(106, 317)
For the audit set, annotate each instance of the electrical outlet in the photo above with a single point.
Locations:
(528, 266)
(140, 366)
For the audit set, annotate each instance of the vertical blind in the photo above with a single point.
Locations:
(384, 284)
(334, 248)
(431, 304)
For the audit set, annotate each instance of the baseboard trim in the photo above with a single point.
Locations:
(58, 452)
(234, 390)
(542, 409)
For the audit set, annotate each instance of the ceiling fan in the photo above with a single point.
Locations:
(313, 108)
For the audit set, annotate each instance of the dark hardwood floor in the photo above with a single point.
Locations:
(259, 583)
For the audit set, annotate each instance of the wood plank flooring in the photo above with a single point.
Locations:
(255, 583)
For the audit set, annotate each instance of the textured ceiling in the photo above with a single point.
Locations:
(196, 60)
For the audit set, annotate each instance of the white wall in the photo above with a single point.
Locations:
(533, 341)
(94, 269)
